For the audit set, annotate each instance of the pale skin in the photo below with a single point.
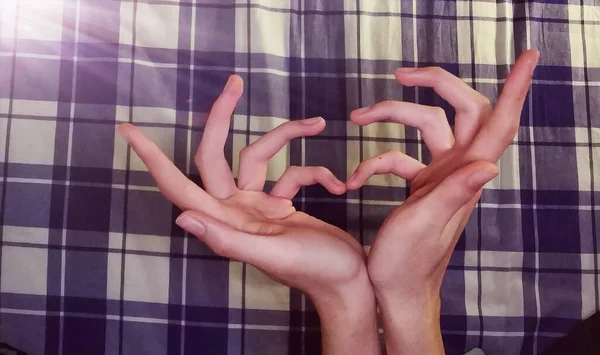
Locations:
(242, 222)
(410, 254)
(405, 267)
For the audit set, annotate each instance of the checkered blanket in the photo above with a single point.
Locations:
(91, 261)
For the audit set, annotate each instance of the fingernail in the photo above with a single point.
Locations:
(191, 224)
(406, 70)
(482, 177)
(310, 121)
(360, 111)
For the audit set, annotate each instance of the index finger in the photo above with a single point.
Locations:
(501, 128)
(171, 182)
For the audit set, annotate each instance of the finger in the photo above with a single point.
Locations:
(471, 107)
(444, 201)
(295, 177)
(393, 162)
(231, 242)
(254, 157)
(171, 182)
(431, 121)
(210, 157)
(502, 126)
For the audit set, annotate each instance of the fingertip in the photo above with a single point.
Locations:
(235, 85)
(317, 125)
(536, 52)
(362, 110)
(405, 71)
(529, 59)
(351, 187)
(493, 168)
(184, 216)
(357, 117)
(124, 126)
(532, 52)
(403, 74)
(192, 223)
(338, 190)
(312, 121)
(239, 82)
(340, 187)
(237, 77)
(125, 130)
(483, 173)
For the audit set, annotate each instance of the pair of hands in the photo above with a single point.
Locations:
(407, 261)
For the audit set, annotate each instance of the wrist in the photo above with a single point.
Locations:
(343, 296)
(411, 322)
(348, 315)
(419, 297)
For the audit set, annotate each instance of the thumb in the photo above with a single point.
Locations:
(458, 189)
(222, 238)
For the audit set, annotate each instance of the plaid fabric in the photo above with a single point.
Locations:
(91, 261)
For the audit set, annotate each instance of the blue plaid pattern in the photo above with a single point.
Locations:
(91, 261)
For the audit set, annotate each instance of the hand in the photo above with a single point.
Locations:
(244, 223)
(410, 255)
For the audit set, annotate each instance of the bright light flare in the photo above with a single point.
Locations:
(37, 19)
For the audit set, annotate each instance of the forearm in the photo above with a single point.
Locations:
(411, 325)
(349, 320)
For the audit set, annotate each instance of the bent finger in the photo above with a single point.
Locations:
(471, 107)
(431, 121)
(295, 177)
(254, 157)
(393, 162)
(210, 157)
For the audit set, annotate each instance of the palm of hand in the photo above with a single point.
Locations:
(240, 221)
(305, 246)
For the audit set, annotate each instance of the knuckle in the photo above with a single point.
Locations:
(322, 171)
(471, 108)
(437, 117)
(291, 172)
(436, 71)
(439, 113)
(390, 154)
(386, 103)
(361, 168)
(481, 106)
(246, 152)
(484, 104)
(292, 169)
